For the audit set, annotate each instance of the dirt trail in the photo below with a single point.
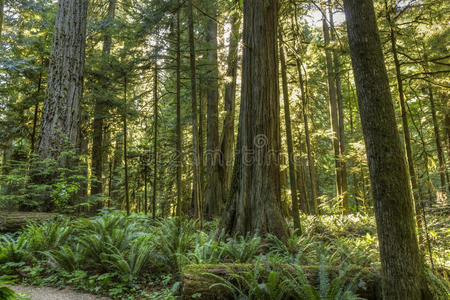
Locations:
(47, 293)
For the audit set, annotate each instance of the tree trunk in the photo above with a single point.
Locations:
(100, 110)
(227, 139)
(213, 195)
(406, 134)
(117, 162)
(333, 108)
(195, 143)
(442, 167)
(61, 113)
(155, 138)
(255, 203)
(311, 163)
(178, 128)
(341, 128)
(402, 264)
(2, 5)
(125, 156)
(36, 112)
(287, 120)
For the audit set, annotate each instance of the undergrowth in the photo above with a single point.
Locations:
(135, 257)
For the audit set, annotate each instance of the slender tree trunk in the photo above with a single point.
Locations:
(287, 120)
(117, 162)
(333, 108)
(227, 140)
(341, 128)
(195, 152)
(406, 133)
(62, 106)
(100, 110)
(255, 203)
(125, 156)
(2, 5)
(145, 192)
(311, 162)
(213, 195)
(178, 129)
(36, 113)
(442, 167)
(402, 263)
(155, 138)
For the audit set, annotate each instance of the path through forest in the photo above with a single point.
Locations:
(48, 293)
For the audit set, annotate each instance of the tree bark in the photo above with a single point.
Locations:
(213, 194)
(100, 110)
(255, 203)
(195, 143)
(287, 120)
(61, 113)
(402, 264)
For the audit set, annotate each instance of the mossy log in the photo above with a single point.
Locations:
(14, 221)
(197, 280)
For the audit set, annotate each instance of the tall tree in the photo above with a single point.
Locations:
(155, 136)
(332, 106)
(255, 202)
(405, 125)
(402, 264)
(195, 142)
(227, 138)
(311, 163)
(178, 127)
(61, 113)
(213, 194)
(287, 121)
(100, 110)
(340, 115)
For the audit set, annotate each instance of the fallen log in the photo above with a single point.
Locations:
(14, 221)
(198, 279)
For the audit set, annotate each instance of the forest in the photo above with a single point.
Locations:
(225, 149)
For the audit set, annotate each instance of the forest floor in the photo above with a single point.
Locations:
(48, 293)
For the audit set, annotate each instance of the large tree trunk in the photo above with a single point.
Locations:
(61, 113)
(255, 202)
(213, 195)
(100, 110)
(287, 120)
(402, 264)
(227, 139)
(195, 142)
